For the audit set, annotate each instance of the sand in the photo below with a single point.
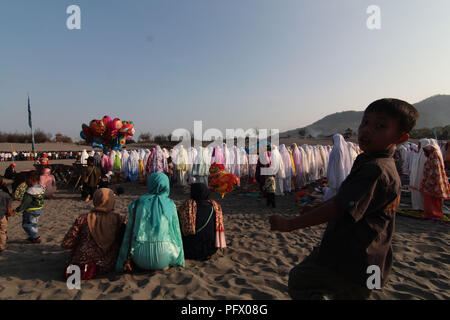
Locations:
(255, 265)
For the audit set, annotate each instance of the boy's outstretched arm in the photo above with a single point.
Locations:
(326, 212)
(26, 202)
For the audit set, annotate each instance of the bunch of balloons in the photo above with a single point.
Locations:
(107, 133)
(221, 181)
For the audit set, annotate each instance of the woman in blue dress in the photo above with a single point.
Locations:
(154, 229)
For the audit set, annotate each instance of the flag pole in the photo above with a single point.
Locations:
(30, 123)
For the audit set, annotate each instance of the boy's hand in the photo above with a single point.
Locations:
(279, 223)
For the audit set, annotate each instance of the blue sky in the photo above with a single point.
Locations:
(232, 64)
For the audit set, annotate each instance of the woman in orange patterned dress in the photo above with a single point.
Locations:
(95, 238)
(434, 186)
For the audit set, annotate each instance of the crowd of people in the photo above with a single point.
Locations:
(293, 166)
(359, 202)
(27, 156)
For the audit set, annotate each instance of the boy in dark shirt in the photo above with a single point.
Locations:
(360, 217)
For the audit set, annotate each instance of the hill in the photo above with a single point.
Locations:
(433, 111)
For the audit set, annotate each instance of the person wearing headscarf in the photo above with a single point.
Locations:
(181, 166)
(403, 152)
(97, 159)
(288, 168)
(434, 185)
(149, 162)
(84, 157)
(201, 223)
(159, 161)
(278, 170)
(152, 238)
(94, 239)
(337, 169)
(192, 155)
(218, 156)
(48, 182)
(133, 166)
(201, 165)
(264, 161)
(124, 164)
(297, 158)
(105, 163)
(243, 164)
(417, 175)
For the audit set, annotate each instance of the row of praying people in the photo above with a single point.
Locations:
(293, 166)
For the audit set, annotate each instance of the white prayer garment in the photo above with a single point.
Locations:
(417, 175)
(288, 170)
(124, 162)
(84, 157)
(338, 164)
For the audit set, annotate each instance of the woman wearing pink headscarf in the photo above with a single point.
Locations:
(47, 181)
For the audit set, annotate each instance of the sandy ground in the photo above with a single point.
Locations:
(255, 265)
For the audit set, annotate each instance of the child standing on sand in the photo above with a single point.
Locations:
(269, 189)
(32, 206)
(360, 217)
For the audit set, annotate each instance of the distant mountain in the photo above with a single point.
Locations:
(433, 112)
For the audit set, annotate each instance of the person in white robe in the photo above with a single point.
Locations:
(417, 174)
(124, 161)
(181, 166)
(84, 157)
(288, 170)
(338, 163)
(278, 170)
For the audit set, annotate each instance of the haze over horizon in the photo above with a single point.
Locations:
(235, 64)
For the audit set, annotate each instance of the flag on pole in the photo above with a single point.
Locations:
(29, 113)
(31, 125)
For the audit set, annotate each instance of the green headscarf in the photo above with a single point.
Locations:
(156, 235)
(117, 162)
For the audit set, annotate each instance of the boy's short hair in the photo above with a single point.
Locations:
(32, 176)
(404, 112)
(91, 160)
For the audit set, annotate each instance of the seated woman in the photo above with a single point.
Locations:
(152, 239)
(95, 238)
(48, 182)
(201, 223)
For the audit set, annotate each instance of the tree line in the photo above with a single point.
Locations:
(39, 137)
(442, 133)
